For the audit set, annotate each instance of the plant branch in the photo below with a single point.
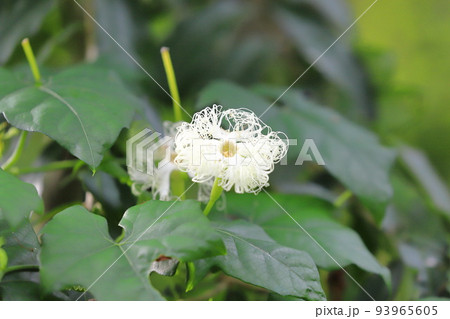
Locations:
(54, 166)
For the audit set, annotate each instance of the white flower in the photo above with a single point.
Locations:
(233, 145)
(159, 182)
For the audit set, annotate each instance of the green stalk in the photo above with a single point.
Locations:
(190, 269)
(21, 268)
(37, 79)
(31, 61)
(215, 195)
(54, 166)
(177, 179)
(17, 152)
(170, 73)
(177, 184)
(345, 196)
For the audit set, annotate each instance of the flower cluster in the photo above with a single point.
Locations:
(231, 146)
(159, 181)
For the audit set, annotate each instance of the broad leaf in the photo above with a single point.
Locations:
(196, 37)
(312, 39)
(77, 249)
(333, 239)
(17, 200)
(421, 236)
(255, 258)
(351, 153)
(422, 169)
(336, 11)
(116, 17)
(83, 109)
(22, 245)
(19, 290)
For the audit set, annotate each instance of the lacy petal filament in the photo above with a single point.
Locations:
(233, 145)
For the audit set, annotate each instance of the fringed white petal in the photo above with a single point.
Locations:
(233, 145)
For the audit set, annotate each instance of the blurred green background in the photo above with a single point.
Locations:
(407, 45)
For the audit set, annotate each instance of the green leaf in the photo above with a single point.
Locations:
(20, 18)
(351, 153)
(22, 245)
(116, 16)
(336, 11)
(77, 248)
(191, 38)
(419, 234)
(339, 65)
(421, 168)
(17, 200)
(83, 109)
(22, 248)
(342, 243)
(19, 290)
(255, 258)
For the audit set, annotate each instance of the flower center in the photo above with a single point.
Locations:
(228, 149)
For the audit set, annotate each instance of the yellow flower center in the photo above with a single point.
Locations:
(228, 149)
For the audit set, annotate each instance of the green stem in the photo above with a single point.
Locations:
(17, 152)
(406, 289)
(343, 198)
(31, 61)
(177, 184)
(177, 178)
(54, 166)
(21, 268)
(190, 269)
(215, 195)
(170, 73)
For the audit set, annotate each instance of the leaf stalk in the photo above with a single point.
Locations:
(171, 79)
(32, 61)
(17, 152)
(215, 195)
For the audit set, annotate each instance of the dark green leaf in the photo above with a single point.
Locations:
(191, 38)
(422, 169)
(77, 248)
(255, 258)
(19, 290)
(83, 109)
(338, 64)
(17, 199)
(421, 237)
(114, 197)
(115, 16)
(22, 245)
(336, 11)
(341, 243)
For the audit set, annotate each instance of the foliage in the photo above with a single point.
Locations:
(75, 226)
